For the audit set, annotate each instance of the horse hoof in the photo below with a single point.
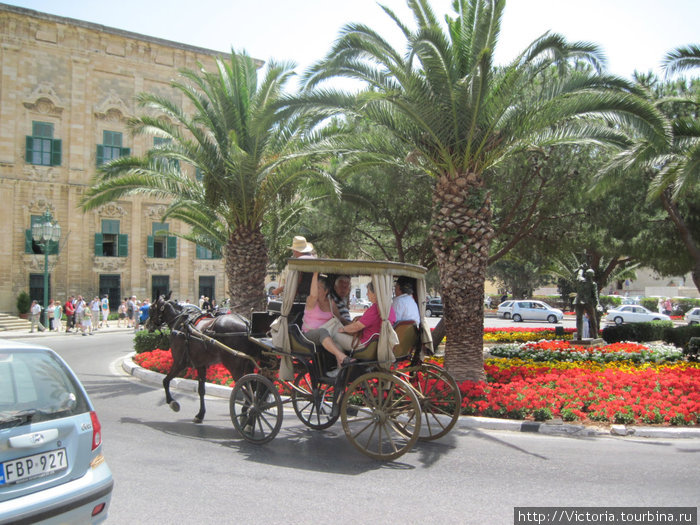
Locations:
(175, 406)
(197, 420)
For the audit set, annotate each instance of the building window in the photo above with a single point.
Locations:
(160, 284)
(41, 148)
(109, 242)
(207, 286)
(206, 253)
(111, 147)
(160, 244)
(32, 247)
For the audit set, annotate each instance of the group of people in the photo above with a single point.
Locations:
(86, 317)
(326, 319)
(132, 312)
(665, 306)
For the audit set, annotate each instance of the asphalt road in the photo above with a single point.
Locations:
(169, 470)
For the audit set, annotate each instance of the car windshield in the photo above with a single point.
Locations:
(34, 387)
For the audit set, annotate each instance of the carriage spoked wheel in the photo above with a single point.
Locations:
(313, 406)
(256, 409)
(439, 398)
(381, 415)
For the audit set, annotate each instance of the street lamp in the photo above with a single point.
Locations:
(44, 232)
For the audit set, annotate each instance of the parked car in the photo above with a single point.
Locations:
(363, 303)
(633, 313)
(535, 311)
(505, 309)
(51, 462)
(433, 307)
(692, 316)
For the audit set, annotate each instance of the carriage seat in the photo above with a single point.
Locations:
(407, 331)
(299, 343)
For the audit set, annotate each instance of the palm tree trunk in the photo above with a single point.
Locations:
(462, 235)
(246, 266)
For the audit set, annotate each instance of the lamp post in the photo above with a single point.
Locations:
(44, 232)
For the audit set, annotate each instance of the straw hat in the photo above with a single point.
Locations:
(299, 244)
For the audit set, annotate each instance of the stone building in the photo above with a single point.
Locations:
(67, 88)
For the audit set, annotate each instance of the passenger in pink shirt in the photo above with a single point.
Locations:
(319, 313)
(337, 338)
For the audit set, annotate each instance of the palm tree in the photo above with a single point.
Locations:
(461, 116)
(671, 168)
(234, 141)
(682, 58)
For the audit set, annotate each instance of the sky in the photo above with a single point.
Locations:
(633, 34)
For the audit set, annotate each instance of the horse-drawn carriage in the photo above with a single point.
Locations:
(387, 398)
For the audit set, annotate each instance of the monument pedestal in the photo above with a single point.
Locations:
(588, 342)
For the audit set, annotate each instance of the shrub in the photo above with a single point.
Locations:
(680, 336)
(542, 414)
(145, 341)
(693, 350)
(639, 332)
(23, 302)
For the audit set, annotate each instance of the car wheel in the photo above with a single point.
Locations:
(506, 315)
(656, 319)
(691, 323)
(428, 313)
(517, 318)
(619, 321)
(552, 319)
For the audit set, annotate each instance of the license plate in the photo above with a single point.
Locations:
(30, 467)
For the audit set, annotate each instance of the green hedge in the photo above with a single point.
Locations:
(145, 341)
(678, 336)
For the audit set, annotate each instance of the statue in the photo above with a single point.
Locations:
(586, 301)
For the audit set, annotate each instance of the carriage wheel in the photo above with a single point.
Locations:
(313, 406)
(381, 415)
(256, 409)
(439, 398)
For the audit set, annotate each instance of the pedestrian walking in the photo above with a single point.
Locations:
(69, 308)
(121, 314)
(105, 312)
(95, 307)
(58, 317)
(49, 313)
(35, 317)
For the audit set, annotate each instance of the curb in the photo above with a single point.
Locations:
(552, 428)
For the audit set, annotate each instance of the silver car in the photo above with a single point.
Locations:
(51, 463)
(693, 316)
(535, 311)
(632, 313)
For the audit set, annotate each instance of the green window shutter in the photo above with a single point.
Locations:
(29, 149)
(123, 245)
(150, 246)
(56, 152)
(215, 255)
(100, 154)
(125, 152)
(172, 247)
(28, 246)
(52, 248)
(98, 244)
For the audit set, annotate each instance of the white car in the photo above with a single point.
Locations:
(505, 309)
(633, 313)
(693, 316)
(530, 310)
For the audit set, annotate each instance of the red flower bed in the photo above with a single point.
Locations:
(650, 395)
(162, 361)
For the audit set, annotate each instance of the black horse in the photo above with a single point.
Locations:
(191, 350)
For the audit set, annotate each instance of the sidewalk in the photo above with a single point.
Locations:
(26, 334)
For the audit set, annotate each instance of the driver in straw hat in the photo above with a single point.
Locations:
(301, 249)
